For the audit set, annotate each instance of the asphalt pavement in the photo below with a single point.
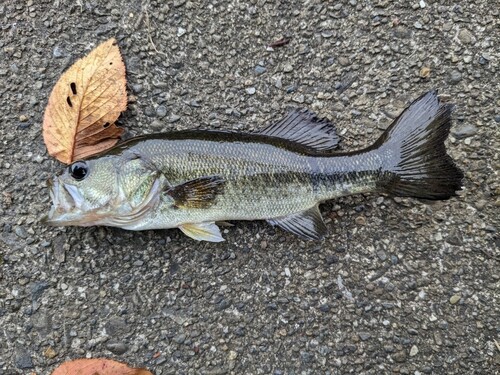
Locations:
(399, 286)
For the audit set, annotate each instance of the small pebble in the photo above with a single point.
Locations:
(455, 77)
(485, 57)
(174, 118)
(455, 298)
(364, 336)
(454, 239)
(23, 359)
(232, 355)
(58, 52)
(425, 72)
(117, 348)
(299, 98)
(413, 351)
(49, 353)
(260, 69)
(20, 232)
(194, 103)
(360, 220)
(287, 68)
(179, 339)
(23, 118)
(250, 90)
(465, 36)
(480, 204)
(447, 26)
(161, 111)
(399, 356)
(344, 61)
(149, 111)
(324, 308)
(157, 125)
(464, 131)
(137, 88)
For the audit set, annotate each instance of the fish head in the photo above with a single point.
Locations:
(110, 190)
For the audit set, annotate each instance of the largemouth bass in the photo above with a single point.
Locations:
(193, 179)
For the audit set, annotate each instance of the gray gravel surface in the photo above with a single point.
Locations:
(399, 285)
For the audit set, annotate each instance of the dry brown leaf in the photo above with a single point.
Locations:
(97, 366)
(80, 117)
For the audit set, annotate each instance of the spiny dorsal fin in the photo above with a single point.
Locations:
(198, 193)
(304, 127)
(307, 224)
(202, 231)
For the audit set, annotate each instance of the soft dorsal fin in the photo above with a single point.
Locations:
(307, 224)
(198, 193)
(304, 127)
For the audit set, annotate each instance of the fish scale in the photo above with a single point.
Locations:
(253, 171)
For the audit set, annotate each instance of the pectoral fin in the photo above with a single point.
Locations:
(307, 224)
(202, 232)
(198, 193)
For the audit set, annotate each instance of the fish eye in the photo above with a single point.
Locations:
(78, 170)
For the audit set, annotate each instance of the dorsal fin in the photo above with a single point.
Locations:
(304, 127)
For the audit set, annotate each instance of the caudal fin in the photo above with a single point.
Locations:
(418, 165)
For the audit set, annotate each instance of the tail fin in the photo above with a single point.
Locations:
(418, 164)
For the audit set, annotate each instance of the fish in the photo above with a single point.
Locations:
(195, 179)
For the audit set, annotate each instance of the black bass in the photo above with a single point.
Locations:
(193, 179)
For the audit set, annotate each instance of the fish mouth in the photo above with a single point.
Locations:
(66, 206)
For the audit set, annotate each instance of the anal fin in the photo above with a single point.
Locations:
(304, 127)
(307, 224)
(202, 231)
